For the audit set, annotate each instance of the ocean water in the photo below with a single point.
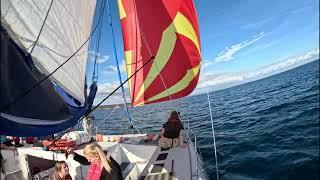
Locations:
(266, 129)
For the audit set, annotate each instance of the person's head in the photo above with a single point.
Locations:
(61, 168)
(174, 117)
(94, 153)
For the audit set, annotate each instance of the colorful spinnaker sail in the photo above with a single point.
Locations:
(168, 31)
(37, 36)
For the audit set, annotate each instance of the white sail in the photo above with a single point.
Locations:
(66, 28)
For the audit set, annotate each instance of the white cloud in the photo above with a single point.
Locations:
(217, 79)
(205, 63)
(104, 89)
(113, 69)
(209, 81)
(123, 68)
(101, 58)
(262, 22)
(229, 52)
(110, 69)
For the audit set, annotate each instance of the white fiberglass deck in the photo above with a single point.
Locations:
(138, 160)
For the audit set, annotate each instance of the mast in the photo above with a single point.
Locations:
(117, 61)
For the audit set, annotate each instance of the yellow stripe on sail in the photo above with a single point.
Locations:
(179, 25)
(184, 27)
(122, 12)
(182, 84)
(128, 55)
(140, 104)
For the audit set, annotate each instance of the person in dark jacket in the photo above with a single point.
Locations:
(101, 165)
(171, 134)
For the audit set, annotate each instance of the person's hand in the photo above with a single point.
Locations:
(183, 145)
(69, 151)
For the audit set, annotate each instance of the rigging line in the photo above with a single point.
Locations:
(136, 19)
(134, 39)
(107, 117)
(20, 37)
(116, 57)
(164, 84)
(135, 127)
(213, 136)
(152, 57)
(148, 48)
(58, 137)
(44, 21)
(95, 67)
(39, 82)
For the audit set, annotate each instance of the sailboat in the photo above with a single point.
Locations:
(44, 52)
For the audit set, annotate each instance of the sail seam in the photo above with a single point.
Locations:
(44, 21)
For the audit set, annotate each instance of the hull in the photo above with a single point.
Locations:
(138, 160)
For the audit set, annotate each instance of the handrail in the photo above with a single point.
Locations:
(195, 148)
(200, 173)
(214, 138)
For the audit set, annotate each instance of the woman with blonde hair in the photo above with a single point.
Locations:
(102, 165)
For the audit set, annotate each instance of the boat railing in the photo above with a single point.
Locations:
(200, 172)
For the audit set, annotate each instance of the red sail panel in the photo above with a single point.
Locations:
(168, 31)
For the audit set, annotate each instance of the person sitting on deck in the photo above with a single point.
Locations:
(61, 171)
(171, 134)
(102, 165)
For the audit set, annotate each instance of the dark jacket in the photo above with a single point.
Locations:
(172, 129)
(115, 173)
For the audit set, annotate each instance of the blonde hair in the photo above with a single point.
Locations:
(95, 149)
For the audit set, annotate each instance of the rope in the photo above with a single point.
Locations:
(148, 48)
(135, 128)
(142, 33)
(96, 128)
(116, 57)
(37, 84)
(44, 21)
(120, 86)
(58, 137)
(95, 67)
(214, 139)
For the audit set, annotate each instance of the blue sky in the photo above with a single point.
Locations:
(241, 41)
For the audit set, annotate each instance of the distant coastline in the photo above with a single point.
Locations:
(257, 78)
(112, 106)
